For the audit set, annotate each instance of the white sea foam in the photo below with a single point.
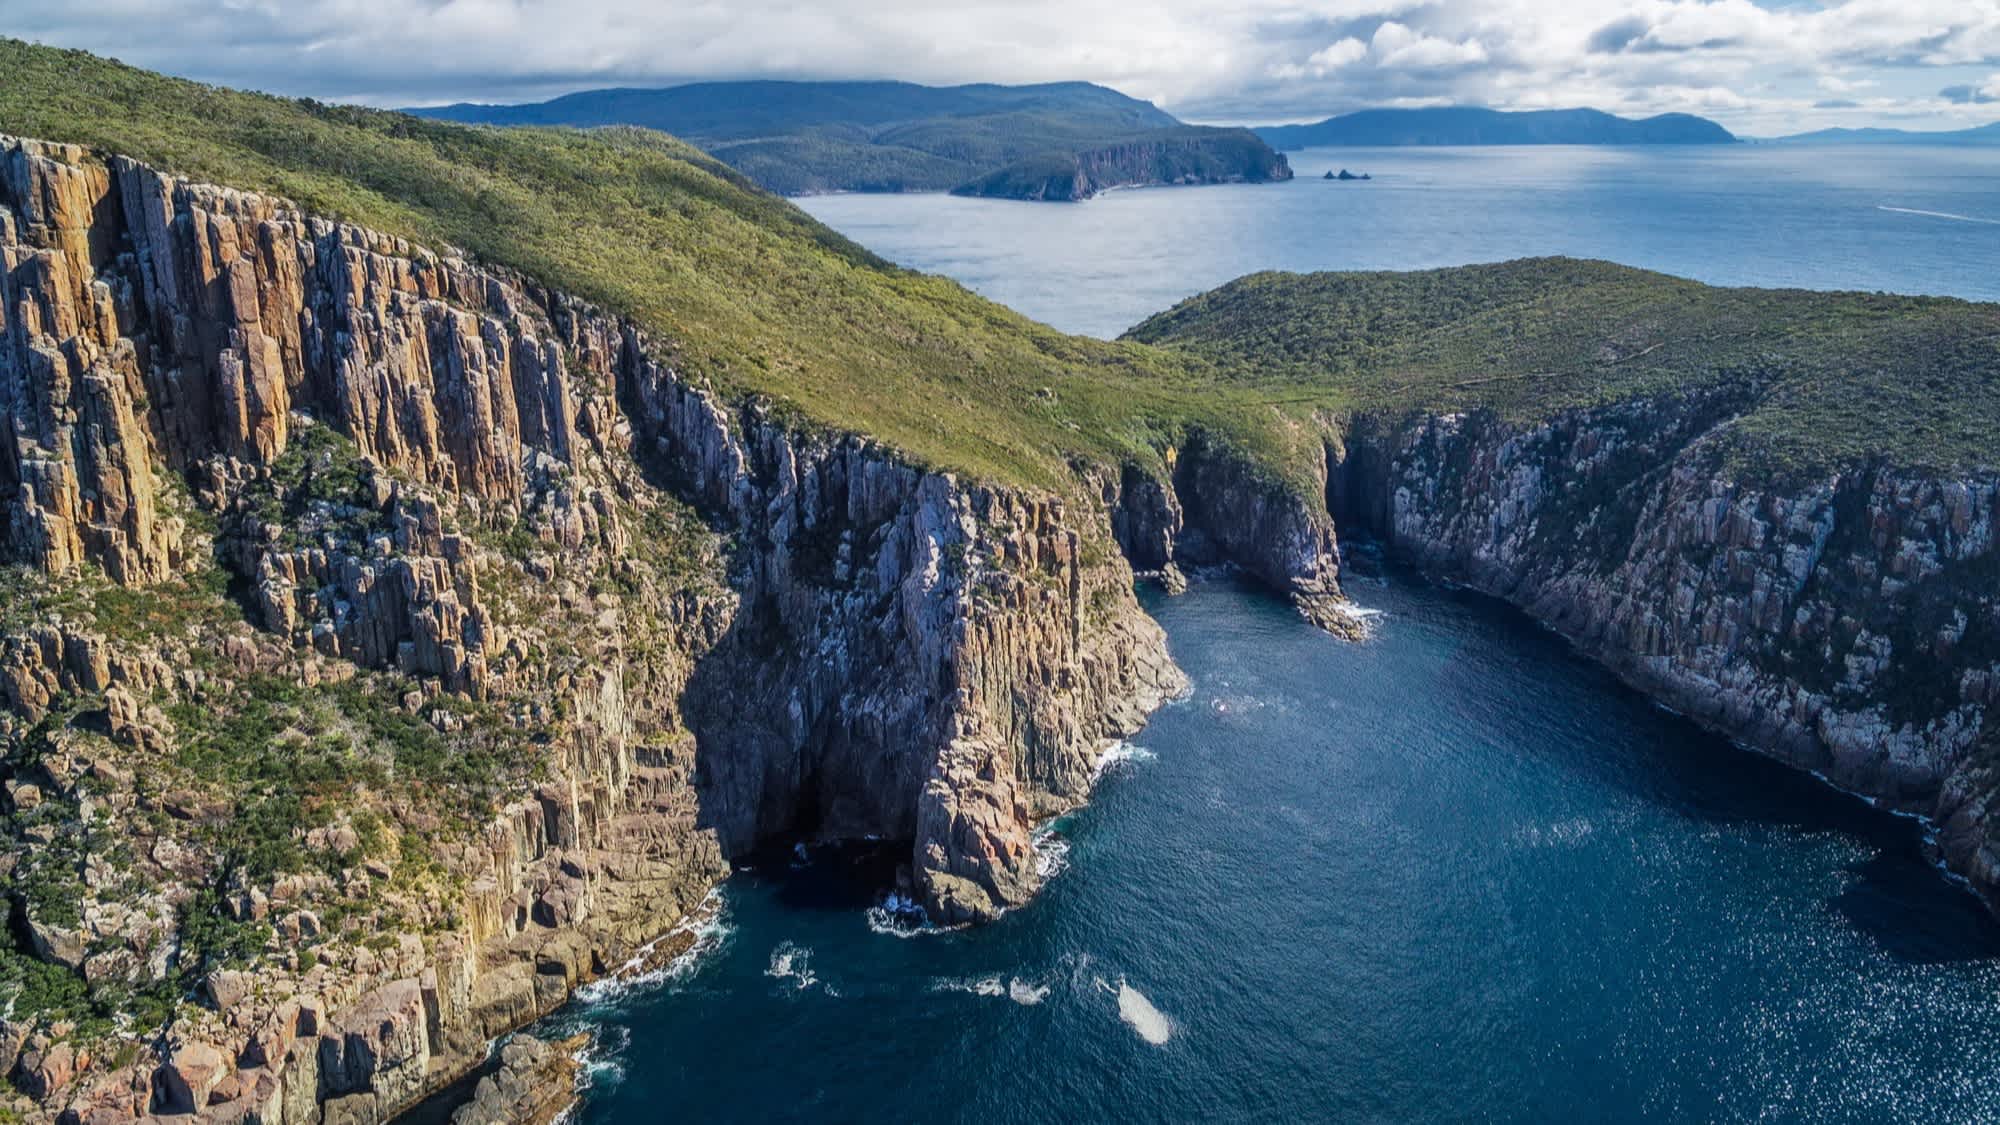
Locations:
(793, 962)
(899, 915)
(1940, 215)
(1139, 1013)
(1051, 853)
(1361, 616)
(598, 1065)
(977, 986)
(1118, 757)
(708, 922)
(1026, 993)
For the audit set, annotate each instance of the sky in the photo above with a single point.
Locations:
(1761, 68)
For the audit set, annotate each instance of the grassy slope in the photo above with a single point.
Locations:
(1840, 376)
(759, 296)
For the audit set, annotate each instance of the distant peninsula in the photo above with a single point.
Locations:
(1979, 136)
(1473, 126)
(1058, 141)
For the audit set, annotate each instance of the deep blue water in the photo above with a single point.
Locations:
(1453, 873)
(1813, 217)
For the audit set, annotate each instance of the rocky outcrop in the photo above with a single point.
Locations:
(533, 1084)
(412, 464)
(1847, 622)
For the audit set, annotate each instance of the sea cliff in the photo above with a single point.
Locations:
(1178, 157)
(1844, 621)
(262, 460)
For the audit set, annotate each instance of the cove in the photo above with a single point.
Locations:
(1454, 872)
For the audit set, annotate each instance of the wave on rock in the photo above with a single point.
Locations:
(1120, 756)
(709, 925)
(1051, 852)
(901, 916)
(793, 962)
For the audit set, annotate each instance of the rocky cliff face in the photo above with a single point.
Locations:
(589, 629)
(1847, 623)
(1216, 507)
(1224, 156)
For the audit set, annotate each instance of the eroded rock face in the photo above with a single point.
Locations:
(534, 1084)
(1217, 507)
(894, 653)
(1848, 623)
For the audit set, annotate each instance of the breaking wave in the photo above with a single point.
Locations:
(708, 922)
(1119, 757)
(1051, 852)
(900, 916)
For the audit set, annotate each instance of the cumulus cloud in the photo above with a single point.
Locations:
(1338, 54)
(1396, 46)
(1760, 67)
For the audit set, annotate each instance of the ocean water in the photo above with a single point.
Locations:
(1454, 873)
(1916, 220)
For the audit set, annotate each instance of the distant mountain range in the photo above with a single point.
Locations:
(1981, 135)
(1472, 126)
(1054, 141)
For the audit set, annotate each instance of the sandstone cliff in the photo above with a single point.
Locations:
(393, 644)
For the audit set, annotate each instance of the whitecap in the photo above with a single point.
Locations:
(1149, 1022)
(1939, 215)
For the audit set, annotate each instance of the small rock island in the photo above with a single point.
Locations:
(1347, 175)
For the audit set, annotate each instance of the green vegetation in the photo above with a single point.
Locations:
(287, 759)
(757, 296)
(317, 489)
(90, 599)
(1828, 378)
(761, 299)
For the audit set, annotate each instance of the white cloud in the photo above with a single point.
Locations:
(1397, 47)
(1335, 55)
(1758, 68)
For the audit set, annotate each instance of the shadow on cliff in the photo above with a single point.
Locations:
(1914, 915)
(1895, 896)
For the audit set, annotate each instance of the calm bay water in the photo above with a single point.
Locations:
(1454, 873)
(1916, 220)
